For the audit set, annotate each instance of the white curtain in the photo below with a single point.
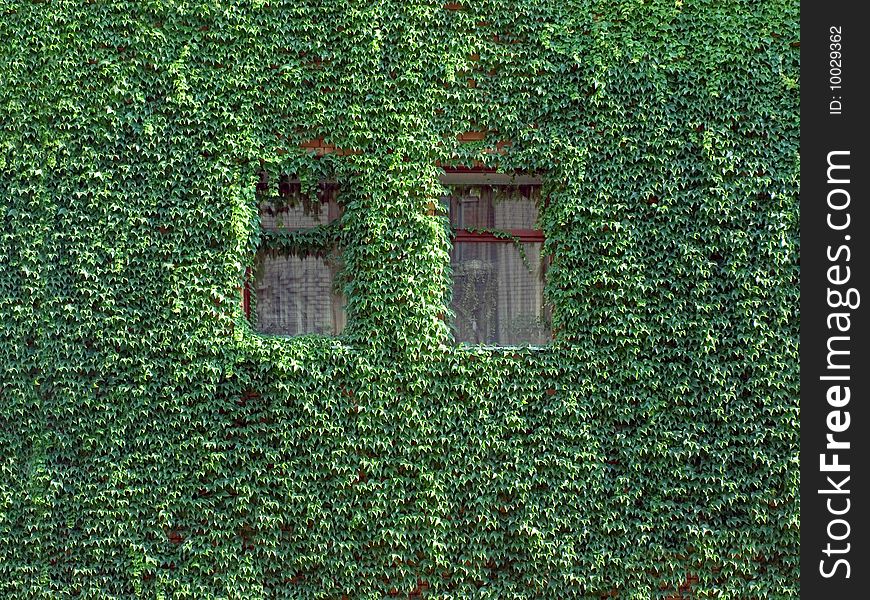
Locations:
(295, 296)
(498, 297)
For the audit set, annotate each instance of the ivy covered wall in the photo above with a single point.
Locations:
(152, 445)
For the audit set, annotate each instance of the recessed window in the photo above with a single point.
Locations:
(294, 290)
(498, 264)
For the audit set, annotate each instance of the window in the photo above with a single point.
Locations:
(496, 259)
(295, 292)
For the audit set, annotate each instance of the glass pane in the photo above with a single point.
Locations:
(289, 210)
(296, 295)
(494, 206)
(498, 294)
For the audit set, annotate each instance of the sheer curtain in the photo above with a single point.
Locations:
(295, 295)
(498, 286)
(498, 295)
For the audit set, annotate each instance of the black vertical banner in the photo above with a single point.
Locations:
(835, 299)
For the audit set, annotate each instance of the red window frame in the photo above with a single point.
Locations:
(246, 295)
(520, 235)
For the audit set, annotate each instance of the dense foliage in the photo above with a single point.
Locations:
(152, 445)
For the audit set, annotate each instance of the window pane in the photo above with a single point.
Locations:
(494, 206)
(290, 210)
(295, 295)
(498, 298)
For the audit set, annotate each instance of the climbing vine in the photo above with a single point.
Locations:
(153, 445)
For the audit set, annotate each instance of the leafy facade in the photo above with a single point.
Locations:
(152, 445)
